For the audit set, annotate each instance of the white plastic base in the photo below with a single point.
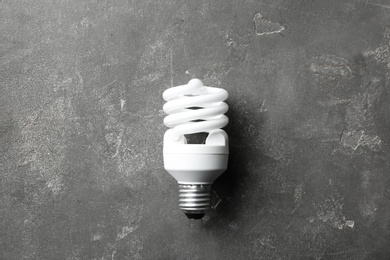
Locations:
(196, 163)
(195, 168)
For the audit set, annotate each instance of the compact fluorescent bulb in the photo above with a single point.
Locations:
(194, 108)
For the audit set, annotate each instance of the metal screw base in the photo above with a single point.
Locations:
(194, 199)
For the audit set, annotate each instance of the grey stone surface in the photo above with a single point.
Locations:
(81, 128)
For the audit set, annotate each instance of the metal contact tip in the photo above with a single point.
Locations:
(195, 216)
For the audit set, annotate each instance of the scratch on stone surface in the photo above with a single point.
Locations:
(43, 151)
(157, 55)
(105, 91)
(171, 63)
(263, 107)
(348, 7)
(265, 241)
(80, 77)
(298, 192)
(86, 23)
(114, 140)
(333, 72)
(369, 204)
(333, 102)
(233, 225)
(354, 139)
(123, 102)
(217, 199)
(360, 130)
(96, 237)
(331, 211)
(216, 73)
(341, 252)
(265, 27)
(216, 205)
(109, 84)
(288, 9)
(126, 230)
(350, 223)
(382, 53)
(366, 179)
(328, 179)
(330, 66)
(55, 184)
(278, 148)
(379, 5)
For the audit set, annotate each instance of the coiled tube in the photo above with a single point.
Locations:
(195, 108)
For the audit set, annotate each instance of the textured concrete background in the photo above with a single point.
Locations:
(81, 128)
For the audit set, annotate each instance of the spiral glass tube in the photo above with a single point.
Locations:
(208, 101)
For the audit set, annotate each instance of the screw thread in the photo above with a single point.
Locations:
(194, 198)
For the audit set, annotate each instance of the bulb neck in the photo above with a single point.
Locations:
(194, 199)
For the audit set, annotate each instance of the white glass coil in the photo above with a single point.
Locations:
(194, 108)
